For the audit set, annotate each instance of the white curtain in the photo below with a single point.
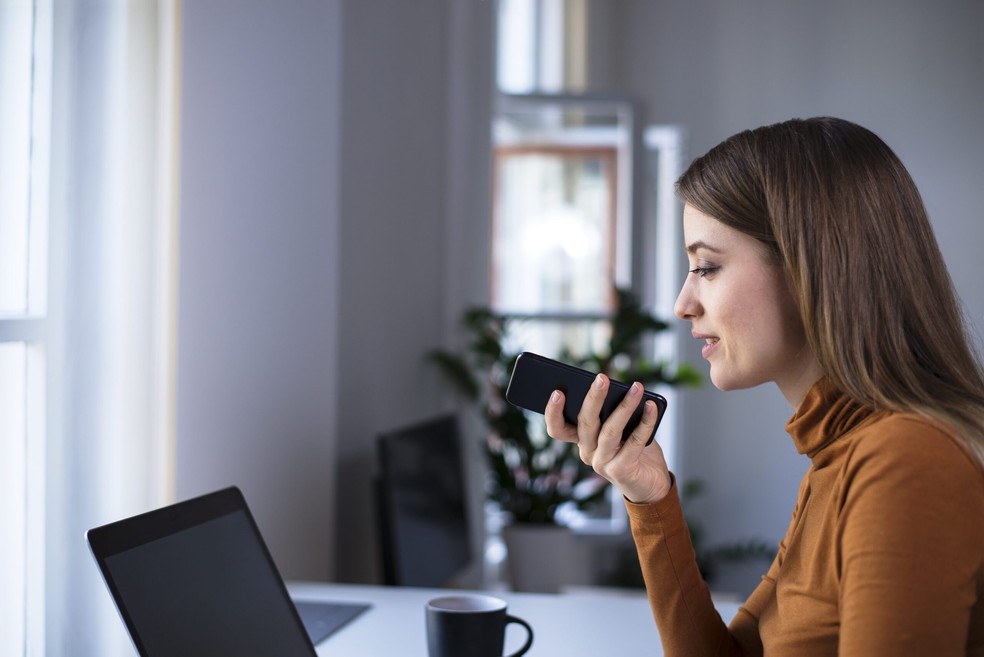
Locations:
(110, 345)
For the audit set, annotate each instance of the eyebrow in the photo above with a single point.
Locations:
(693, 247)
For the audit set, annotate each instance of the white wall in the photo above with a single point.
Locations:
(911, 71)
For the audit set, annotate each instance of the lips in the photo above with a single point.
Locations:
(710, 343)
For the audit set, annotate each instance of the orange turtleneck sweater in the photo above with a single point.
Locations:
(884, 554)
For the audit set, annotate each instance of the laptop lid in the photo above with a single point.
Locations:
(196, 578)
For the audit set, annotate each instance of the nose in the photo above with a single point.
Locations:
(687, 306)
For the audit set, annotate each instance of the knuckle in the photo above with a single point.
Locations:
(607, 471)
(608, 433)
(585, 422)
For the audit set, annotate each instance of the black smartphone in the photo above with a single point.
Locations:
(535, 377)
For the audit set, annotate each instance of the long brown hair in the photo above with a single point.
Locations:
(834, 204)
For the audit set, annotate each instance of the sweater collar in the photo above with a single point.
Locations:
(824, 415)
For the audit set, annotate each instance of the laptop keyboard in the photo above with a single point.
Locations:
(322, 619)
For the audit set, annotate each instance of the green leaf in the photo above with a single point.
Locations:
(457, 372)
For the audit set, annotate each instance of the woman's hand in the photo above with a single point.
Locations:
(638, 471)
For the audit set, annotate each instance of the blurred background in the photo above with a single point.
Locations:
(231, 231)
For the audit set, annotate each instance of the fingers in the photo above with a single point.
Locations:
(640, 473)
(557, 427)
(598, 442)
(589, 417)
(610, 438)
(638, 468)
(589, 425)
(639, 438)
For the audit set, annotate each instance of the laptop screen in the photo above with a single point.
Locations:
(196, 578)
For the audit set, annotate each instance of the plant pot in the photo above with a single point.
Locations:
(542, 558)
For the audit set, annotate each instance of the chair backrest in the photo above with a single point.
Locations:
(421, 504)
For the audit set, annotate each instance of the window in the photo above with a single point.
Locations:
(561, 220)
(542, 46)
(24, 50)
(563, 172)
(567, 227)
(554, 224)
(661, 264)
(582, 200)
(86, 304)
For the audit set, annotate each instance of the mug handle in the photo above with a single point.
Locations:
(529, 638)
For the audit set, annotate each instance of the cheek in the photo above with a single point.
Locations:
(762, 318)
(751, 333)
(785, 328)
(740, 313)
(793, 333)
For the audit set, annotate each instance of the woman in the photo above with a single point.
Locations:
(813, 265)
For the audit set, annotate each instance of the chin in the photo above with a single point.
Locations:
(725, 381)
(725, 385)
(721, 382)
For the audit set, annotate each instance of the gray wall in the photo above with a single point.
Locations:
(259, 288)
(912, 71)
(327, 215)
(334, 193)
(405, 228)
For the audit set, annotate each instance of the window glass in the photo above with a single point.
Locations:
(554, 223)
(516, 50)
(12, 495)
(23, 258)
(561, 227)
(15, 151)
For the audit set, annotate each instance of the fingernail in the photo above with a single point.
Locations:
(636, 388)
(599, 381)
(554, 397)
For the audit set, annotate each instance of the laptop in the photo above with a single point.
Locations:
(195, 578)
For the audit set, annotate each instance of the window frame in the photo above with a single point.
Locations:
(28, 327)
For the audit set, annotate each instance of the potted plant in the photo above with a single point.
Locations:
(531, 476)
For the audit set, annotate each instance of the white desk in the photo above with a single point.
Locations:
(579, 624)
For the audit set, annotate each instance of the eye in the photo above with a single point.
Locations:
(704, 271)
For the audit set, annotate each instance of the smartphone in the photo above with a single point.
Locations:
(535, 377)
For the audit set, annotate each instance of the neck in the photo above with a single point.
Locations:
(795, 388)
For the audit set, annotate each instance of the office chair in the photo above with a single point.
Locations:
(421, 504)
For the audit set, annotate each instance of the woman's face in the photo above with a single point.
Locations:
(739, 304)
